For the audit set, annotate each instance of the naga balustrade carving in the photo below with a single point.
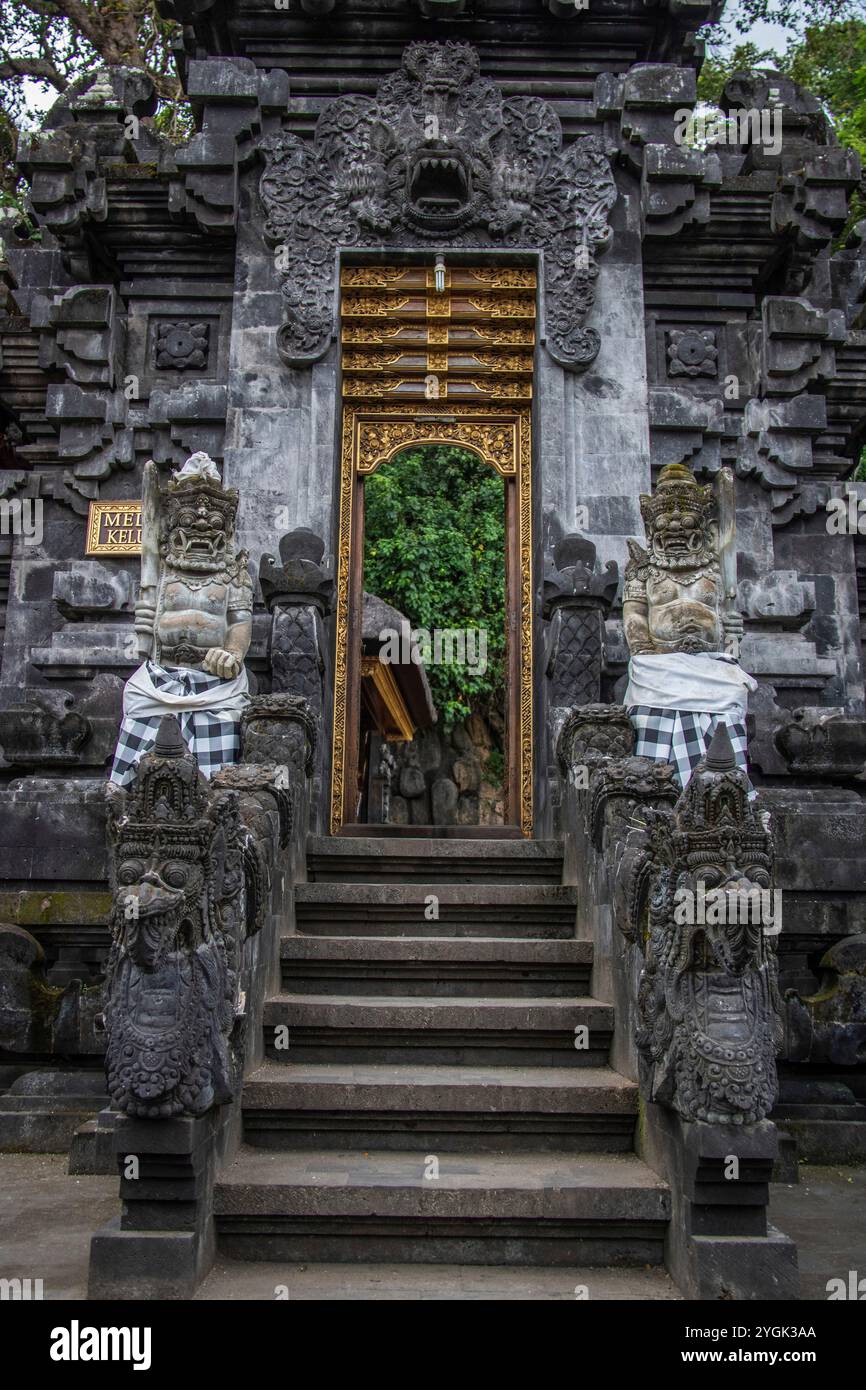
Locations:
(709, 1012)
(189, 886)
(690, 883)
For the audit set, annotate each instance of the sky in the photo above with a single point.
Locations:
(761, 34)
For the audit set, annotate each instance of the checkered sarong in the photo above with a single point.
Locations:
(213, 736)
(682, 737)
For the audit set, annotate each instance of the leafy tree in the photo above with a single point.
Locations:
(791, 13)
(831, 62)
(55, 42)
(8, 172)
(435, 549)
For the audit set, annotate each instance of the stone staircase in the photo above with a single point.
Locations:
(431, 1105)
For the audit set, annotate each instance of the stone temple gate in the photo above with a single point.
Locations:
(493, 197)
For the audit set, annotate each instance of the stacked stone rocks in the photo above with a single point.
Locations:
(450, 777)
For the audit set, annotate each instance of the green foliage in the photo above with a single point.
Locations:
(720, 66)
(174, 120)
(791, 13)
(55, 43)
(9, 194)
(831, 62)
(494, 768)
(435, 549)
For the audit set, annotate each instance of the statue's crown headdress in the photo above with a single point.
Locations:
(677, 488)
(195, 491)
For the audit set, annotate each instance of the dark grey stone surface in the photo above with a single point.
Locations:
(718, 324)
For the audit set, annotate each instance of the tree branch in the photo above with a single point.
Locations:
(43, 9)
(38, 68)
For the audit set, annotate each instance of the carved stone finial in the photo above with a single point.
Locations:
(594, 733)
(298, 575)
(101, 93)
(720, 756)
(280, 729)
(169, 739)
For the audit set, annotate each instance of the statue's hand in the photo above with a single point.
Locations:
(222, 663)
(145, 613)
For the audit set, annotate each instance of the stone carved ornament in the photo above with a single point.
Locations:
(709, 1013)
(439, 158)
(179, 919)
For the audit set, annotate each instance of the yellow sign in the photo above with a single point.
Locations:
(114, 528)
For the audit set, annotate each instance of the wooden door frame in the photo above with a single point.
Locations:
(501, 436)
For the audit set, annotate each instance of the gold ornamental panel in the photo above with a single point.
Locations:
(379, 439)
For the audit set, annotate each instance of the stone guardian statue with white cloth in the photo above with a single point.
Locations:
(193, 620)
(681, 624)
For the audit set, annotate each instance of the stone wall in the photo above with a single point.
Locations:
(450, 777)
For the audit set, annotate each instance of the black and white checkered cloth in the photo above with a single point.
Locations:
(682, 737)
(213, 737)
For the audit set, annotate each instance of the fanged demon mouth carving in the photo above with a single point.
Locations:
(439, 189)
(438, 154)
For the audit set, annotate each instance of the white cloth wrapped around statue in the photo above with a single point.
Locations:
(680, 621)
(208, 709)
(193, 619)
(676, 700)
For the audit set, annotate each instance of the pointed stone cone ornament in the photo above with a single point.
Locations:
(720, 756)
(169, 739)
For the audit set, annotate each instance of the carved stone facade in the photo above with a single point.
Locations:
(182, 346)
(439, 156)
(695, 309)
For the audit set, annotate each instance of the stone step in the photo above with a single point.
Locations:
(435, 966)
(397, 909)
(450, 1031)
(336, 859)
(43, 1108)
(535, 1208)
(239, 1281)
(431, 1108)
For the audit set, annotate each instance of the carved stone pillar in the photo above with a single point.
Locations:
(576, 598)
(299, 594)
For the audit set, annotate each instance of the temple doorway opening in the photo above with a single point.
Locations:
(437, 378)
(433, 711)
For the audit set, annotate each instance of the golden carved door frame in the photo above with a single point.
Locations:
(501, 436)
(433, 357)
